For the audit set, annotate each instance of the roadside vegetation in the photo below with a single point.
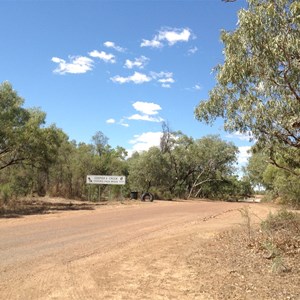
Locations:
(257, 93)
(280, 238)
(259, 260)
(36, 160)
(277, 238)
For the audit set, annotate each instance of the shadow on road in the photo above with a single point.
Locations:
(41, 207)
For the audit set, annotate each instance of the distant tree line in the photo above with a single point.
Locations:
(257, 93)
(39, 159)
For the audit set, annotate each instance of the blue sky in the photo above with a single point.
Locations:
(120, 67)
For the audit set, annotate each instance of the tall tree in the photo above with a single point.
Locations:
(100, 141)
(23, 137)
(258, 88)
(13, 120)
(257, 164)
(185, 168)
(212, 161)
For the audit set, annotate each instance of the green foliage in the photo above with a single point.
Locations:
(184, 167)
(258, 92)
(257, 164)
(257, 87)
(100, 142)
(245, 187)
(13, 120)
(38, 160)
(74, 162)
(146, 170)
(23, 139)
(284, 185)
(5, 193)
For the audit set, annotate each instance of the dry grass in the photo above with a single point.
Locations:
(252, 261)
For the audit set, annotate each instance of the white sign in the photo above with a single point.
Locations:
(103, 179)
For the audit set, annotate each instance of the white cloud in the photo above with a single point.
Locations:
(241, 136)
(111, 121)
(137, 78)
(122, 123)
(169, 36)
(174, 36)
(196, 87)
(165, 78)
(192, 50)
(243, 154)
(139, 62)
(166, 85)
(153, 43)
(166, 82)
(106, 57)
(147, 108)
(156, 75)
(77, 65)
(145, 141)
(145, 118)
(146, 112)
(112, 45)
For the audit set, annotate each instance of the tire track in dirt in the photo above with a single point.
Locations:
(80, 291)
(118, 252)
(185, 222)
(129, 262)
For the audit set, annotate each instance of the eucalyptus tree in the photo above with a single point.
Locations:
(13, 127)
(258, 90)
(175, 149)
(23, 136)
(62, 171)
(183, 166)
(100, 141)
(212, 162)
(255, 168)
(148, 171)
(83, 162)
(27, 147)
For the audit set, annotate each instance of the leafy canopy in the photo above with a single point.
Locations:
(258, 85)
(23, 139)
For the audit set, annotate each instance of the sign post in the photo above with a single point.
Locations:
(105, 179)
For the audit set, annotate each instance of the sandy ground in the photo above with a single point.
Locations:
(159, 250)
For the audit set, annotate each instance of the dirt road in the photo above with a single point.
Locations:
(114, 252)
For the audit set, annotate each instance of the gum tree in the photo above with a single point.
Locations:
(258, 85)
(23, 137)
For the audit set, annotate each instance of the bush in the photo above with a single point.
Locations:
(283, 185)
(6, 193)
(280, 237)
(283, 220)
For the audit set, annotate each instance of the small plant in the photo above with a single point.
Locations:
(5, 193)
(280, 236)
(247, 217)
(281, 221)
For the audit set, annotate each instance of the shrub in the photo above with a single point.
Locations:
(6, 193)
(280, 237)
